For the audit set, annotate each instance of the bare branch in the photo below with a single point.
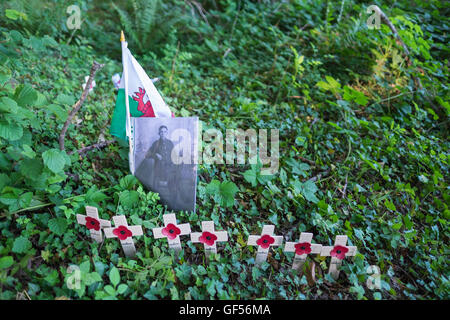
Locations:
(94, 146)
(320, 175)
(307, 160)
(76, 107)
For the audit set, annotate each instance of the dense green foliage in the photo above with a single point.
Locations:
(343, 96)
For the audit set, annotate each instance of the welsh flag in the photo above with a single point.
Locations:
(143, 98)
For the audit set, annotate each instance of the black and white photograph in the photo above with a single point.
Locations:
(164, 159)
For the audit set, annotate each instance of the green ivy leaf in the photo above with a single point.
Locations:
(58, 226)
(211, 288)
(114, 276)
(21, 245)
(306, 189)
(251, 176)
(299, 168)
(52, 278)
(227, 191)
(85, 267)
(110, 290)
(91, 278)
(122, 288)
(201, 270)
(6, 262)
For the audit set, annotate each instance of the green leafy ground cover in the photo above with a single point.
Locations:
(363, 147)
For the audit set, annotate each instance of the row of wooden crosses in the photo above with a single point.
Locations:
(209, 237)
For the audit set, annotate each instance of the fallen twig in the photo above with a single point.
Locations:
(307, 160)
(43, 205)
(94, 146)
(76, 107)
(200, 10)
(391, 98)
(320, 175)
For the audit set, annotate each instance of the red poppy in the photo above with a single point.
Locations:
(92, 223)
(171, 231)
(265, 241)
(302, 248)
(208, 238)
(122, 232)
(339, 252)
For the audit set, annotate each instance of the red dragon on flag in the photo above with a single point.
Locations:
(145, 108)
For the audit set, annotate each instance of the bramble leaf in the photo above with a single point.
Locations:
(54, 160)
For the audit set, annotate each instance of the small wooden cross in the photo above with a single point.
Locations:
(302, 248)
(172, 231)
(338, 252)
(264, 242)
(125, 234)
(94, 224)
(209, 237)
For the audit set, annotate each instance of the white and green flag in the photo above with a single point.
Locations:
(143, 100)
